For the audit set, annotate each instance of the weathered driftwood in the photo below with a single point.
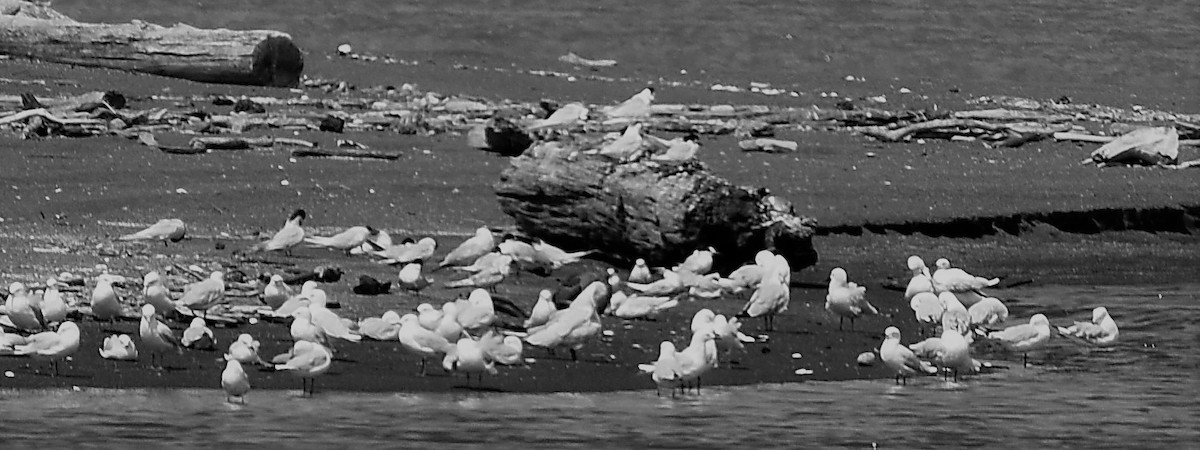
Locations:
(250, 57)
(342, 152)
(660, 212)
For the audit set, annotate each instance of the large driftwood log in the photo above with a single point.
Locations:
(660, 212)
(250, 57)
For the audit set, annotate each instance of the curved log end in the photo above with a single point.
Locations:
(278, 62)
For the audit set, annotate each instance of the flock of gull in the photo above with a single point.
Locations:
(468, 336)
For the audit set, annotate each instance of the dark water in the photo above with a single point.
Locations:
(1141, 392)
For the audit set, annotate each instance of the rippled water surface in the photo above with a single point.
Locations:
(1141, 392)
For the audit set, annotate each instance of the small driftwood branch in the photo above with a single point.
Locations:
(339, 152)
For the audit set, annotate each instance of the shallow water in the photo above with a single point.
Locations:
(1141, 391)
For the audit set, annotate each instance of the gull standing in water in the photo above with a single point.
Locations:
(665, 371)
(234, 380)
(308, 361)
(900, 358)
(1025, 338)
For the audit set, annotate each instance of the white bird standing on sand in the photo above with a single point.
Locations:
(245, 350)
(330, 323)
(846, 299)
(468, 359)
(557, 257)
(303, 329)
(157, 337)
(198, 336)
(164, 230)
(471, 249)
(670, 284)
(119, 348)
(638, 306)
(420, 340)
(276, 292)
(105, 304)
(637, 106)
(1025, 338)
(202, 295)
(956, 280)
(51, 346)
(574, 326)
(665, 371)
(640, 273)
(54, 307)
(504, 350)
(234, 380)
(956, 316)
(988, 311)
(900, 358)
(291, 235)
(308, 361)
(770, 298)
(700, 262)
(154, 293)
(542, 310)
(565, 115)
(345, 241)
(625, 147)
(920, 281)
(1101, 331)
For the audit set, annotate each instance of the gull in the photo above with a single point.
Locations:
(565, 115)
(489, 261)
(428, 317)
(54, 307)
(572, 327)
(380, 328)
(927, 308)
(245, 350)
(289, 236)
(670, 284)
(637, 106)
(154, 293)
(665, 371)
(640, 272)
(557, 257)
(705, 286)
(846, 299)
(345, 241)
(331, 325)
(303, 329)
(308, 361)
(626, 147)
(276, 292)
(1025, 337)
(202, 295)
(157, 337)
(957, 280)
(920, 281)
(542, 310)
(119, 348)
(638, 306)
(699, 262)
(164, 230)
(680, 149)
(309, 294)
(8, 341)
(900, 358)
(745, 277)
(504, 350)
(420, 340)
(410, 278)
(449, 328)
(469, 359)
(950, 351)
(697, 359)
(234, 380)
(770, 298)
(728, 333)
(485, 278)
(382, 241)
(105, 304)
(409, 252)
(477, 311)
(50, 345)
(520, 251)
(702, 320)
(198, 336)
(1102, 330)
(471, 249)
(956, 316)
(988, 311)
(22, 310)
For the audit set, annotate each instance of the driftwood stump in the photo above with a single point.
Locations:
(249, 57)
(660, 212)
